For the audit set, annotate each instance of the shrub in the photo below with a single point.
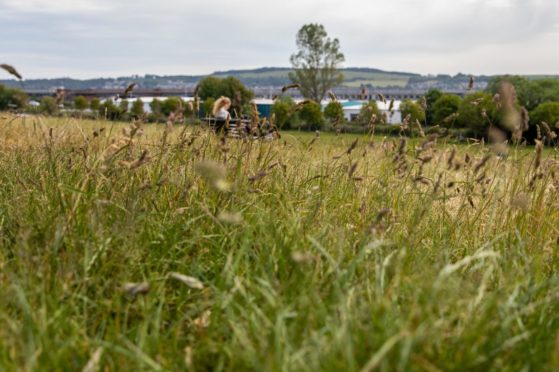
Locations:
(367, 111)
(12, 98)
(471, 113)
(48, 106)
(413, 109)
(334, 111)
(312, 116)
(445, 106)
(80, 103)
(282, 110)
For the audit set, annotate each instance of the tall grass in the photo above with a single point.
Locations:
(127, 247)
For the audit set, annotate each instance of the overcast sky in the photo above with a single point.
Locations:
(92, 38)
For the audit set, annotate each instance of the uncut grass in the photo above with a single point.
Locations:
(312, 256)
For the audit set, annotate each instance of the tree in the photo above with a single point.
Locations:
(156, 114)
(546, 112)
(366, 114)
(214, 87)
(95, 104)
(48, 106)
(109, 110)
(171, 105)
(430, 98)
(334, 111)
(80, 103)
(12, 98)
(312, 115)
(413, 109)
(283, 110)
(316, 63)
(445, 106)
(471, 113)
(137, 109)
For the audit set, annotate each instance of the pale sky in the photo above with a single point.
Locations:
(102, 38)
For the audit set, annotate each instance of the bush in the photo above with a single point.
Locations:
(334, 112)
(445, 106)
(413, 109)
(471, 113)
(214, 87)
(282, 110)
(48, 106)
(312, 116)
(430, 98)
(171, 105)
(137, 109)
(546, 112)
(109, 110)
(80, 103)
(12, 98)
(366, 113)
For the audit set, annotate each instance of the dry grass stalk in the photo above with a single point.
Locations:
(190, 281)
(11, 70)
(135, 289)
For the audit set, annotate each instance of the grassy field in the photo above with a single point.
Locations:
(155, 248)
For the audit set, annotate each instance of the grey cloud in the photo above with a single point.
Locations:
(189, 37)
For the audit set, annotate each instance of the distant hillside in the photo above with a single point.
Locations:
(267, 77)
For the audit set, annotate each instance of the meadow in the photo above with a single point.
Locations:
(166, 247)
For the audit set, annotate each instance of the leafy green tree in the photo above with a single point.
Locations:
(471, 113)
(48, 106)
(171, 105)
(283, 110)
(430, 98)
(414, 109)
(208, 105)
(316, 63)
(156, 113)
(547, 112)
(214, 87)
(312, 116)
(109, 110)
(95, 104)
(334, 111)
(12, 98)
(80, 103)
(137, 109)
(366, 113)
(530, 93)
(445, 106)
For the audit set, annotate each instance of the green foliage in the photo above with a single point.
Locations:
(48, 106)
(11, 98)
(312, 116)
(207, 106)
(471, 113)
(80, 103)
(231, 87)
(445, 106)
(414, 109)
(137, 109)
(366, 113)
(109, 110)
(95, 104)
(334, 111)
(546, 112)
(430, 98)
(316, 63)
(283, 110)
(530, 93)
(156, 112)
(171, 105)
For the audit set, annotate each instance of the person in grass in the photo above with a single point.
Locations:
(221, 113)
